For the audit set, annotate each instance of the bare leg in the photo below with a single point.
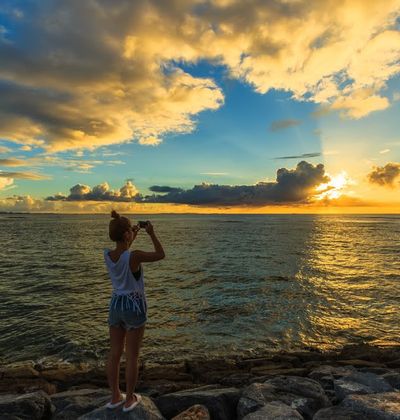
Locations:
(117, 338)
(133, 342)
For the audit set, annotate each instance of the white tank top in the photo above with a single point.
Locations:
(122, 279)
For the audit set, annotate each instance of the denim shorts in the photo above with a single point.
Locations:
(127, 312)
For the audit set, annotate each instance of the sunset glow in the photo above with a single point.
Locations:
(200, 106)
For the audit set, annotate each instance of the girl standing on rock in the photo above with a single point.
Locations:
(128, 308)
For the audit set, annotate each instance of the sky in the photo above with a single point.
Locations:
(217, 106)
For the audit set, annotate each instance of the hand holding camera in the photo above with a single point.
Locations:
(147, 226)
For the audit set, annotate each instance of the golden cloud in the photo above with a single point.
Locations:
(119, 79)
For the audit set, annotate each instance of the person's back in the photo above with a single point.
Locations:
(128, 307)
(128, 287)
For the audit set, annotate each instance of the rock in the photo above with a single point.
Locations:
(343, 388)
(360, 351)
(268, 370)
(146, 410)
(274, 410)
(373, 381)
(254, 397)
(70, 374)
(221, 402)
(71, 404)
(360, 363)
(385, 406)
(302, 394)
(196, 412)
(260, 370)
(376, 370)
(155, 388)
(238, 379)
(333, 371)
(304, 387)
(310, 396)
(393, 363)
(338, 413)
(250, 363)
(392, 378)
(173, 372)
(26, 385)
(286, 358)
(19, 370)
(35, 405)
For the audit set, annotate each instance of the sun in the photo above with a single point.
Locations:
(334, 188)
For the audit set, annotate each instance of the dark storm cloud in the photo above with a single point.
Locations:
(282, 124)
(385, 175)
(164, 189)
(304, 155)
(291, 186)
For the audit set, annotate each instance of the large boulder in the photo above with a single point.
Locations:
(74, 403)
(385, 406)
(339, 413)
(33, 406)
(274, 410)
(360, 383)
(302, 394)
(146, 410)
(344, 388)
(221, 402)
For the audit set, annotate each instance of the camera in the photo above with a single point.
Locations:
(142, 224)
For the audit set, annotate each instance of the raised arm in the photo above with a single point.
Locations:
(142, 256)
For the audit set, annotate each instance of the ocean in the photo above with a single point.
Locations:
(229, 285)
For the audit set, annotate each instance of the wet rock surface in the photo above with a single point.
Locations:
(356, 382)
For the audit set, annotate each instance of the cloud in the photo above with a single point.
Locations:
(385, 175)
(282, 124)
(12, 162)
(291, 186)
(4, 149)
(119, 79)
(382, 152)
(102, 192)
(5, 182)
(164, 189)
(304, 155)
(24, 175)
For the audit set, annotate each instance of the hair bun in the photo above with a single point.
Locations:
(115, 215)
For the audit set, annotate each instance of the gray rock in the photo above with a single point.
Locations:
(274, 410)
(385, 406)
(35, 405)
(376, 370)
(72, 404)
(392, 378)
(343, 388)
(221, 402)
(373, 381)
(304, 387)
(333, 371)
(146, 410)
(339, 413)
(254, 397)
(302, 394)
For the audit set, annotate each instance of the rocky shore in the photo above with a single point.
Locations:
(356, 383)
